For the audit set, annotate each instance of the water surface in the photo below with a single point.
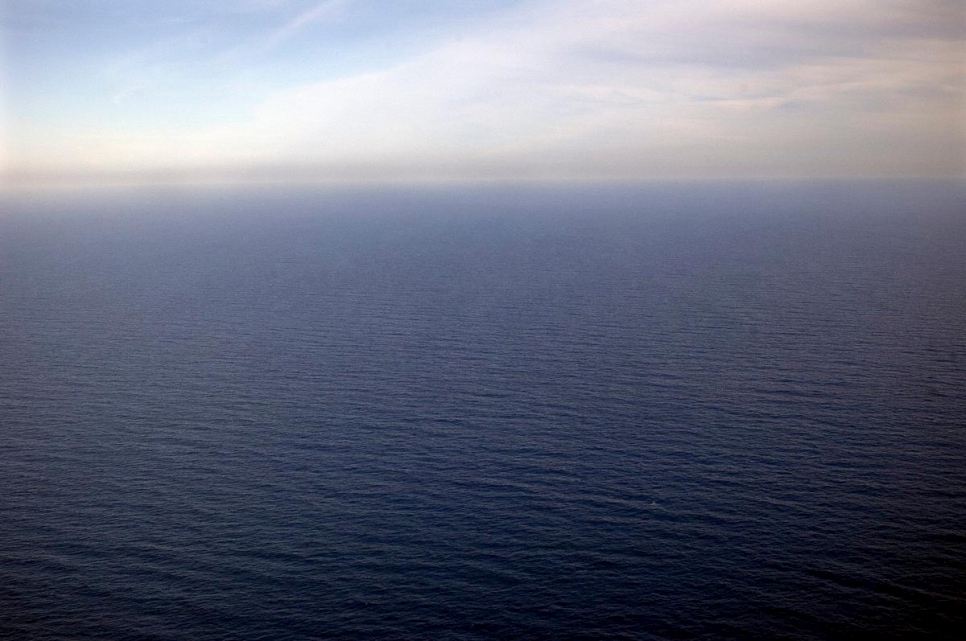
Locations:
(648, 412)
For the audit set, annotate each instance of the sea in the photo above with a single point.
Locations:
(666, 410)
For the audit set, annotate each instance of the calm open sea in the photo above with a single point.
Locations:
(702, 411)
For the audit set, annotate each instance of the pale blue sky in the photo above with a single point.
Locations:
(427, 89)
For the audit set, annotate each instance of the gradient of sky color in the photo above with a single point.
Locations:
(356, 89)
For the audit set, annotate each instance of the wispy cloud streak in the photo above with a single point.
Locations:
(321, 12)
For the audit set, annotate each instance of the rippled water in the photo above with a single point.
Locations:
(671, 411)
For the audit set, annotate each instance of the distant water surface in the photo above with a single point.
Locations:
(604, 412)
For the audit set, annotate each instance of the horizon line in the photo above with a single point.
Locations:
(19, 180)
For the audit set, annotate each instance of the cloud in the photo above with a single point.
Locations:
(623, 88)
(697, 83)
(321, 12)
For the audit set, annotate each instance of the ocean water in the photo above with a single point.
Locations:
(667, 411)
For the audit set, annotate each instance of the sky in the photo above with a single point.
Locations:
(344, 90)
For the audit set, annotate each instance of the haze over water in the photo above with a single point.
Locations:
(679, 410)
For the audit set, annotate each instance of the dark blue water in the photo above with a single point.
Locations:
(670, 411)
